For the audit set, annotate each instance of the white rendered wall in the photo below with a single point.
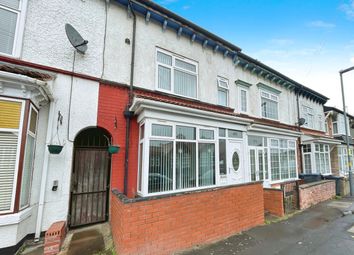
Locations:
(89, 19)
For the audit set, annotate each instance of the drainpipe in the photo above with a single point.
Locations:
(44, 173)
(299, 129)
(129, 114)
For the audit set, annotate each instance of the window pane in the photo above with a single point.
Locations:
(161, 130)
(243, 101)
(160, 166)
(185, 133)
(222, 156)
(234, 133)
(27, 172)
(266, 162)
(318, 165)
(284, 164)
(141, 152)
(255, 140)
(223, 83)
(142, 131)
(186, 65)
(260, 165)
(14, 4)
(206, 134)
(222, 96)
(274, 164)
(253, 164)
(8, 22)
(185, 165)
(206, 164)
(274, 143)
(222, 132)
(185, 84)
(8, 153)
(33, 121)
(164, 58)
(164, 78)
(269, 109)
(307, 163)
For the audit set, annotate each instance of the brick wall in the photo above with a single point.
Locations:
(112, 102)
(162, 225)
(54, 238)
(273, 201)
(316, 192)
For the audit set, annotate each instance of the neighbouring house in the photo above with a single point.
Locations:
(202, 127)
(339, 153)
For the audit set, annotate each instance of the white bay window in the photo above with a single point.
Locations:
(316, 158)
(282, 159)
(176, 74)
(179, 157)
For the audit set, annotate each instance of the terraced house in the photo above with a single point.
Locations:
(202, 127)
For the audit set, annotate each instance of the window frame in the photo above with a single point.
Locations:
(19, 31)
(270, 98)
(226, 88)
(173, 67)
(307, 112)
(146, 145)
(279, 148)
(34, 136)
(15, 193)
(240, 99)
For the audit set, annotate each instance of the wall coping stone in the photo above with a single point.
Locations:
(311, 184)
(273, 189)
(125, 200)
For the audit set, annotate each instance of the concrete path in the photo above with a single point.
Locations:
(320, 230)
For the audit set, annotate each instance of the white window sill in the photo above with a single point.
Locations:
(15, 218)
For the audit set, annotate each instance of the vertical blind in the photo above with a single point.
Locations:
(243, 100)
(206, 164)
(8, 23)
(182, 156)
(8, 154)
(160, 166)
(27, 171)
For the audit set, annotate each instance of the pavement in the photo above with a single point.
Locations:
(92, 240)
(327, 228)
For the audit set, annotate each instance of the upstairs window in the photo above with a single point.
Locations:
(243, 100)
(11, 25)
(176, 74)
(269, 105)
(223, 91)
(307, 114)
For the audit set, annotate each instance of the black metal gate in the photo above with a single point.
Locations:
(89, 186)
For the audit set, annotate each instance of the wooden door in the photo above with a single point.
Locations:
(89, 186)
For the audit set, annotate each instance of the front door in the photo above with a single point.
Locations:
(259, 164)
(235, 162)
(89, 187)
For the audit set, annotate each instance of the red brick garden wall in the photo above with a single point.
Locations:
(316, 192)
(273, 201)
(167, 224)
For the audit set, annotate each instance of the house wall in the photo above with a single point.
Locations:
(116, 53)
(317, 112)
(273, 201)
(335, 161)
(112, 102)
(313, 193)
(166, 224)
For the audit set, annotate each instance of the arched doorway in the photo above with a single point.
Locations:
(90, 178)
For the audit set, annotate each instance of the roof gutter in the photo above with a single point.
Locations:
(42, 86)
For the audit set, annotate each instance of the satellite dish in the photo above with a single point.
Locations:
(76, 39)
(301, 121)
